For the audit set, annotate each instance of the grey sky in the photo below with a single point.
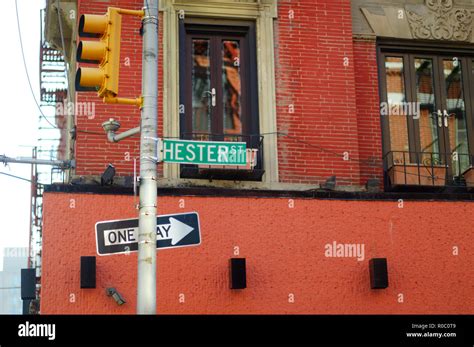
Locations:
(19, 115)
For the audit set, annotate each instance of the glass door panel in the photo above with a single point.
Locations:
(201, 87)
(430, 114)
(427, 118)
(454, 115)
(231, 85)
(217, 96)
(397, 118)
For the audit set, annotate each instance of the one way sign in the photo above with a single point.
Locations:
(173, 230)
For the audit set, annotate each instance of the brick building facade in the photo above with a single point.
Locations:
(310, 83)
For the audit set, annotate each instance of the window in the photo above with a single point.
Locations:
(218, 83)
(260, 13)
(427, 116)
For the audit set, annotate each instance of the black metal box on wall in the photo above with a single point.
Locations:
(28, 284)
(378, 273)
(238, 273)
(26, 306)
(88, 268)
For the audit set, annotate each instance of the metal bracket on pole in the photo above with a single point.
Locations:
(112, 126)
(159, 149)
(137, 13)
(124, 101)
(63, 164)
(152, 138)
(152, 159)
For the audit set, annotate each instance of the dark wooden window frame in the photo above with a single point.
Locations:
(245, 31)
(429, 49)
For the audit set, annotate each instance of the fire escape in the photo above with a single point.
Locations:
(51, 145)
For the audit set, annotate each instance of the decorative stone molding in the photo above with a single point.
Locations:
(364, 37)
(442, 22)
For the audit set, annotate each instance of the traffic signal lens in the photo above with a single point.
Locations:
(91, 52)
(92, 25)
(89, 79)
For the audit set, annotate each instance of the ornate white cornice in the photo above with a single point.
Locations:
(442, 22)
(434, 20)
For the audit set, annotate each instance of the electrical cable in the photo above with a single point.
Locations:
(26, 69)
(369, 162)
(17, 177)
(372, 163)
(90, 132)
(66, 61)
(58, 6)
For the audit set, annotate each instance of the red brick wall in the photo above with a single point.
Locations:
(368, 111)
(285, 252)
(311, 51)
(333, 104)
(93, 151)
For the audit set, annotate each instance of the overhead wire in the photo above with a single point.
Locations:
(18, 177)
(90, 132)
(374, 163)
(61, 33)
(26, 68)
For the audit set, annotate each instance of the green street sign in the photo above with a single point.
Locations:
(202, 152)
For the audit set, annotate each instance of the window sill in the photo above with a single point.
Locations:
(177, 190)
(194, 172)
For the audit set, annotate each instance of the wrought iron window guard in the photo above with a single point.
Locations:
(408, 168)
(253, 171)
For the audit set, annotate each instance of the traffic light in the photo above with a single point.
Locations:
(105, 52)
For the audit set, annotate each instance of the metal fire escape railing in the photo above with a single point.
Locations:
(53, 91)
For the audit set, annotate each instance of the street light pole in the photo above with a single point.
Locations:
(66, 164)
(146, 286)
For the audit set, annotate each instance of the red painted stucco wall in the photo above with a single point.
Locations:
(285, 252)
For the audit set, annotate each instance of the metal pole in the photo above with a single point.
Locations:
(22, 160)
(146, 286)
(32, 207)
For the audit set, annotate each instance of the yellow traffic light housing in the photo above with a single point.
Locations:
(93, 25)
(105, 52)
